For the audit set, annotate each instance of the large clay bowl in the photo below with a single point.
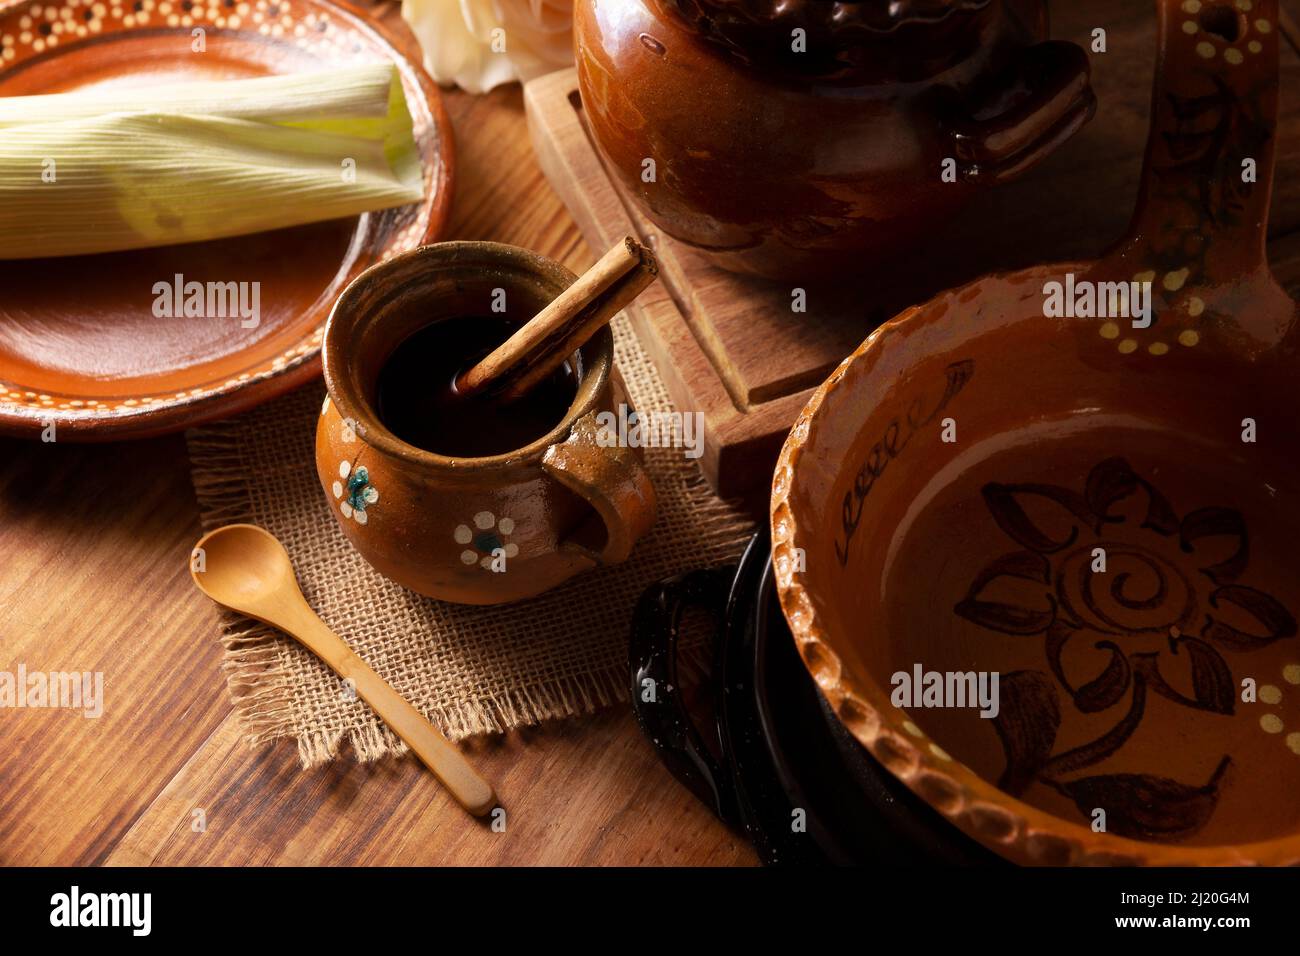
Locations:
(1105, 516)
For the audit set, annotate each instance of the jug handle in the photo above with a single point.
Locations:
(1006, 134)
(613, 481)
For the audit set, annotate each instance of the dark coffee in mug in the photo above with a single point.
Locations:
(417, 398)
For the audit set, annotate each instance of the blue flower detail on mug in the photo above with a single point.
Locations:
(360, 492)
(486, 540)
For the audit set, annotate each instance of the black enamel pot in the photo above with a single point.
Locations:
(783, 770)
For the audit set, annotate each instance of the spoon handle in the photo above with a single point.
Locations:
(434, 750)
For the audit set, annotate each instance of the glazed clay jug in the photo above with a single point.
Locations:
(472, 530)
(794, 138)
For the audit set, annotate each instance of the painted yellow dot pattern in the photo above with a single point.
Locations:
(1172, 281)
(1271, 695)
(1209, 45)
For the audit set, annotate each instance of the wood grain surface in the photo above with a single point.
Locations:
(95, 542)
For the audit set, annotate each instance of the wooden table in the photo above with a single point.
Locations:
(95, 543)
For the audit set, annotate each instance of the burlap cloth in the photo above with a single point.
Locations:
(471, 670)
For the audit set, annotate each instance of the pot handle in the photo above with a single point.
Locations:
(1207, 180)
(613, 481)
(652, 656)
(1045, 99)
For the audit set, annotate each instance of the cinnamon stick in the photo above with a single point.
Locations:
(565, 325)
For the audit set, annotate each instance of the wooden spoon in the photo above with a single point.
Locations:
(246, 569)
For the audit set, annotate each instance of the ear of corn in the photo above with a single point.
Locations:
(99, 171)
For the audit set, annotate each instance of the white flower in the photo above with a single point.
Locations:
(360, 492)
(480, 44)
(486, 541)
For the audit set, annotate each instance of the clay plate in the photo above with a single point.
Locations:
(1104, 515)
(79, 344)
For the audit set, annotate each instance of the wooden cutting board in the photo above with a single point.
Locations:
(732, 347)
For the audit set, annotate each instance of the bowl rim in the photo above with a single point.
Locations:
(1010, 826)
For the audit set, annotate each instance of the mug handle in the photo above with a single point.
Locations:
(612, 479)
(1043, 101)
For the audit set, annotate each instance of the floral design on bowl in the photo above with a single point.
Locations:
(1143, 589)
(486, 541)
(360, 493)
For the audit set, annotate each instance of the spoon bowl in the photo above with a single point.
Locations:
(246, 568)
(243, 566)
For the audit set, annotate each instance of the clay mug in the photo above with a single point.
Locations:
(471, 530)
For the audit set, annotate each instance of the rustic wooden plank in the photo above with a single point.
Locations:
(587, 791)
(730, 347)
(95, 540)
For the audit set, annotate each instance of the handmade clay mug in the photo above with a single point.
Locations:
(1098, 512)
(791, 138)
(471, 530)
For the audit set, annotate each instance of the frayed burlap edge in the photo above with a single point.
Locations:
(254, 664)
(551, 700)
(255, 656)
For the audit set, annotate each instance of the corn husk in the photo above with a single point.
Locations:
(196, 161)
